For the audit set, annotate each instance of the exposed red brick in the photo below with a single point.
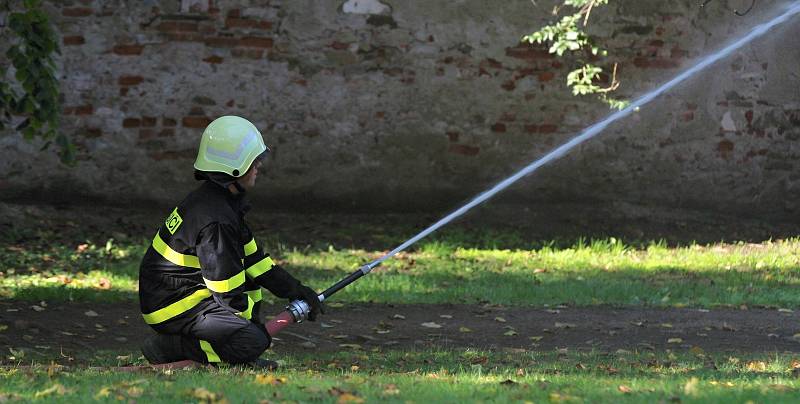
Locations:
(545, 76)
(339, 45)
(725, 148)
(493, 63)
(67, 110)
(464, 149)
(247, 53)
(687, 116)
(453, 136)
(148, 121)
(197, 111)
(177, 26)
(165, 121)
(74, 40)
(229, 103)
(184, 37)
(509, 85)
(256, 42)
(130, 80)
(76, 12)
(213, 59)
(380, 114)
(749, 116)
(677, 53)
(84, 109)
(548, 128)
(247, 23)
(127, 50)
(300, 82)
(131, 123)
(499, 127)
(528, 52)
(166, 132)
(530, 128)
(195, 121)
(221, 41)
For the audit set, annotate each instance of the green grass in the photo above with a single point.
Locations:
(435, 376)
(606, 272)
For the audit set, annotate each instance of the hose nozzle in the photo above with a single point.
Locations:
(299, 310)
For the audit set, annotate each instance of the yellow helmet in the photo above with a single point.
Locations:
(229, 145)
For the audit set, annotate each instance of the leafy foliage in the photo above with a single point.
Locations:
(567, 35)
(33, 58)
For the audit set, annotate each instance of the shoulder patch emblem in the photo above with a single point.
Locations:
(173, 221)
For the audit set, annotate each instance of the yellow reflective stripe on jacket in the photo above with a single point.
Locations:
(173, 256)
(176, 308)
(210, 354)
(225, 285)
(260, 267)
(251, 247)
(249, 312)
(255, 295)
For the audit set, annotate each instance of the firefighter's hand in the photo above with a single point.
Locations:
(305, 293)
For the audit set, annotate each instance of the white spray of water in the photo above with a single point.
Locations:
(595, 129)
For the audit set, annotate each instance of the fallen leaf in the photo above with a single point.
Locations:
(399, 317)
(334, 304)
(102, 393)
(382, 331)
(757, 366)
(623, 352)
(391, 390)
(340, 336)
(431, 324)
(201, 393)
(350, 346)
(666, 325)
(500, 319)
(624, 389)
(785, 310)
(326, 325)
(270, 379)
(135, 391)
(697, 350)
(691, 387)
(464, 329)
(90, 313)
(510, 333)
(308, 345)
(728, 327)
(445, 316)
(104, 283)
(564, 325)
(57, 388)
(349, 398)
(3, 327)
(536, 338)
(539, 270)
(675, 340)
(782, 388)
(37, 308)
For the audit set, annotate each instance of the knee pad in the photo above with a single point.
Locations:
(246, 345)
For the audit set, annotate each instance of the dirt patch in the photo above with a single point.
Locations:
(80, 328)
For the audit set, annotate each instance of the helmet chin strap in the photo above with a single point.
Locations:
(239, 187)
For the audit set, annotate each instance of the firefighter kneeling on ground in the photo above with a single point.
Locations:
(200, 281)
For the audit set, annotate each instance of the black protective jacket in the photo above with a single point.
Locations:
(205, 254)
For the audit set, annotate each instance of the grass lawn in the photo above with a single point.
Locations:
(434, 376)
(600, 272)
(501, 269)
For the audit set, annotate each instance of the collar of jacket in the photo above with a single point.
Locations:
(238, 201)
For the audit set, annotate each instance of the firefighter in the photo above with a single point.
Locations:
(200, 281)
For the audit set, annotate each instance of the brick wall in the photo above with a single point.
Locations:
(416, 104)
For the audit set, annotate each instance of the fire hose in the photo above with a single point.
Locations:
(298, 310)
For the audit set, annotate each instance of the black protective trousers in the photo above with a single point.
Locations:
(215, 334)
